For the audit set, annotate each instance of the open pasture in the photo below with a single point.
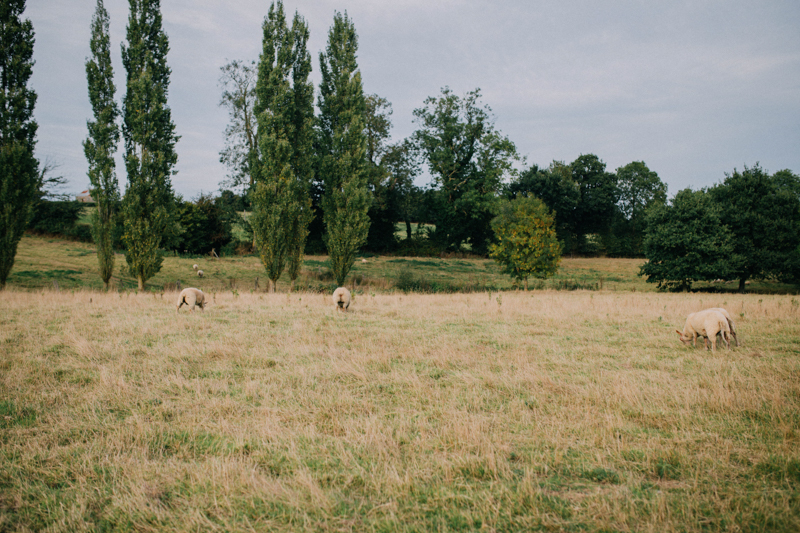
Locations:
(41, 261)
(511, 411)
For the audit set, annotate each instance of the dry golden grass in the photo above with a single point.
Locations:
(491, 412)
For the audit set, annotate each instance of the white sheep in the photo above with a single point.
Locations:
(191, 297)
(341, 299)
(730, 322)
(199, 273)
(194, 266)
(706, 324)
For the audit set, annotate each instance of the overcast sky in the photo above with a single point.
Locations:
(694, 89)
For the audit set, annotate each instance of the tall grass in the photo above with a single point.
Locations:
(485, 411)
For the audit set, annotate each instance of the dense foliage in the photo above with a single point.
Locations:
(205, 226)
(342, 147)
(468, 159)
(687, 241)
(148, 207)
(763, 215)
(19, 175)
(284, 111)
(101, 144)
(526, 245)
(747, 227)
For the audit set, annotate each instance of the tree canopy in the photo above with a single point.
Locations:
(342, 147)
(527, 245)
(762, 213)
(19, 169)
(468, 159)
(102, 141)
(687, 241)
(149, 206)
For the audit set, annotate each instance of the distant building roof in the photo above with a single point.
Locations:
(84, 197)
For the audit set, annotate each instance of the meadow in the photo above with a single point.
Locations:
(568, 410)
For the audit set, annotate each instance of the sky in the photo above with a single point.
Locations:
(694, 88)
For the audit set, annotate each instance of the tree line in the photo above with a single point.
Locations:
(332, 182)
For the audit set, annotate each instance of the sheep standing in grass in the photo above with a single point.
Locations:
(731, 325)
(192, 297)
(707, 324)
(199, 273)
(341, 299)
(194, 266)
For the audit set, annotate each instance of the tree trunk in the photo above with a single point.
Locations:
(271, 285)
(408, 229)
(291, 286)
(526, 284)
(741, 284)
(106, 283)
(141, 282)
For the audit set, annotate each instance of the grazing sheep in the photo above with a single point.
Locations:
(730, 322)
(341, 299)
(707, 324)
(191, 297)
(194, 266)
(200, 273)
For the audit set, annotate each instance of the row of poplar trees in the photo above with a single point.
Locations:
(281, 162)
(289, 137)
(292, 143)
(148, 208)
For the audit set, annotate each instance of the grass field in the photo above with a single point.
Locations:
(73, 265)
(573, 411)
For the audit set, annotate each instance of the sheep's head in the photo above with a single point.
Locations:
(685, 340)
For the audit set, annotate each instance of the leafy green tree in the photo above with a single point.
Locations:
(598, 195)
(342, 148)
(763, 215)
(786, 180)
(19, 169)
(302, 147)
(148, 206)
(639, 189)
(468, 159)
(284, 112)
(101, 144)
(556, 188)
(686, 241)
(527, 244)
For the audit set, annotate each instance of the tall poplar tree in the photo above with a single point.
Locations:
(284, 110)
(19, 170)
(303, 140)
(149, 203)
(101, 144)
(343, 145)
